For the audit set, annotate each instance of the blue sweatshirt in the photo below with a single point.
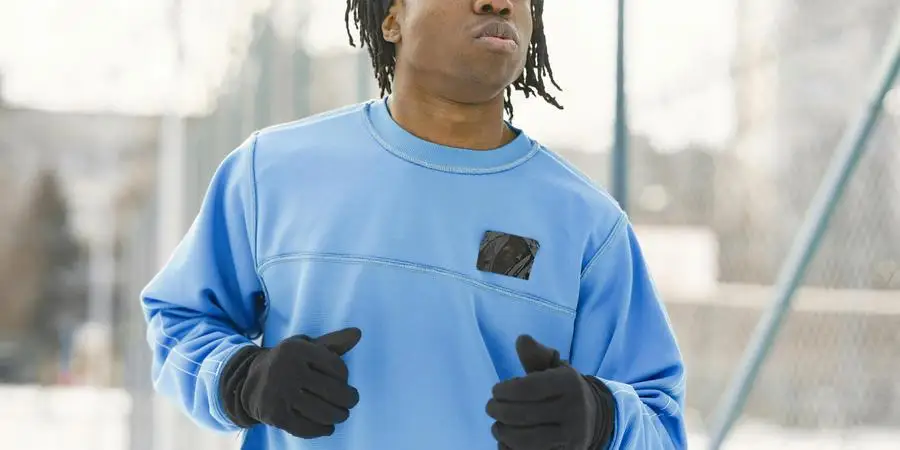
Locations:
(346, 219)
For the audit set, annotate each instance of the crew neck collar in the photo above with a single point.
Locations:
(434, 156)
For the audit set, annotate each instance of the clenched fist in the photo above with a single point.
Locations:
(552, 406)
(300, 385)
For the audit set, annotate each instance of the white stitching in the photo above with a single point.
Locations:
(171, 363)
(665, 412)
(620, 225)
(360, 259)
(162, 330)
(535, 148)
(567, 166)
(173, 349)
(645, 413)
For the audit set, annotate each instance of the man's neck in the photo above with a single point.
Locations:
(449, 123)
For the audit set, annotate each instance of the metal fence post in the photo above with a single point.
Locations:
(141, 262)
(849, 151)
(619, 164)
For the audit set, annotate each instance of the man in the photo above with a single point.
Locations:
(422, 274)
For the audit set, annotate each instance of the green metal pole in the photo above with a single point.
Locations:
(620, 145)
(849, 152)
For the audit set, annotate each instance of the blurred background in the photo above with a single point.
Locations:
(113, 116)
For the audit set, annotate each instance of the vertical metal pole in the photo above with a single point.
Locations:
(103, 274)
(846, 158)
(141, 262)
(302, 66)
(282, 101)
(171, 170)
(102, 264)
(363, 77)
(620, 145)
(172, 165)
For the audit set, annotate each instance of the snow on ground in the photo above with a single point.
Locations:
(38, 418)
(34, 418)
(764, 437)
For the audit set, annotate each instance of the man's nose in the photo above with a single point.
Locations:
(499, 7)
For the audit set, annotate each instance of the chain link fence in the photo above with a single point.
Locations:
(799, 74)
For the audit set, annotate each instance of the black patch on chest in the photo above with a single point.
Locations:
(507, 254)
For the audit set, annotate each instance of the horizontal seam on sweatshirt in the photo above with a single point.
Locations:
(357, 259)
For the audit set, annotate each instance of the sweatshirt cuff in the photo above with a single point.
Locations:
(606, 413)
(220, 383)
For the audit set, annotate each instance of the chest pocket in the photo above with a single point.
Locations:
(507, 254)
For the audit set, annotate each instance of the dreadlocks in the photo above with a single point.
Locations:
(368, 15)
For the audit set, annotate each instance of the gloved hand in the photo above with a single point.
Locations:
(552, 406)
(299, 386)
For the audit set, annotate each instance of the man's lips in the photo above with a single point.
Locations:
(498, 29)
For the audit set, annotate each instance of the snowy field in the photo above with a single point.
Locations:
(88, 419)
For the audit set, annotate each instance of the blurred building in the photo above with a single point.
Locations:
(804, 72)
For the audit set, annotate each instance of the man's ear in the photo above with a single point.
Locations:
(390, 27)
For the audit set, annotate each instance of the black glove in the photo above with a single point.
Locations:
(299, 386)
(552, 406)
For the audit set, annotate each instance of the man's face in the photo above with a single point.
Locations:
(469, 49)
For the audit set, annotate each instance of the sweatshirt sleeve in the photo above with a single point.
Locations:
(203, 306)
(624, 338)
